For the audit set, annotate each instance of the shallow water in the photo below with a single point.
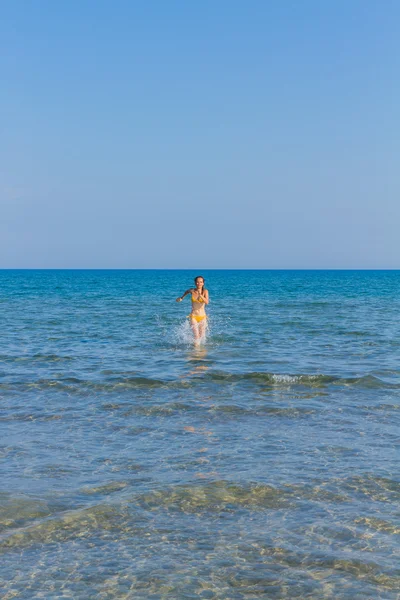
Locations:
(262, 464)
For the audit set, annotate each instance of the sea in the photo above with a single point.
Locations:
(262, 463)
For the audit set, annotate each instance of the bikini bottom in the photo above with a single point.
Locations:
(197, 318)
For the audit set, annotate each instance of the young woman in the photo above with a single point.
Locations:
(198, 317)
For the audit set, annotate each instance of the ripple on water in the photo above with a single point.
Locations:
(74, 385)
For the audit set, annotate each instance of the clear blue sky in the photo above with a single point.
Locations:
(210, 134)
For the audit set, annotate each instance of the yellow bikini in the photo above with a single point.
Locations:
(197, 318)
(195, 299)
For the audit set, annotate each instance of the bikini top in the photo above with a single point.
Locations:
(195, 299)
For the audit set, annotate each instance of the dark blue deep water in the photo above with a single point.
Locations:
(262, 464)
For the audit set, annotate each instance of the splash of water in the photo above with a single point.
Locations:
(183, 334)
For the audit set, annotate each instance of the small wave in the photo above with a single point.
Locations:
(38, 521)
(220, 495)
(135, 382)
(15, 510)
(163, 409)
(34, 522)
(74, 385)
(283, 380)
(27, 416)
(230, 410)
(8, 358)
(270, 378)
(216, 496)
(63, 527)
(107, 488)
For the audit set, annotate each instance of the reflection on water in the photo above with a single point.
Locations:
(198, 354)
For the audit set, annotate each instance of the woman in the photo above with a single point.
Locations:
(198, 317)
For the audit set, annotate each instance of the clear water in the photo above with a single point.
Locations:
(263, 464)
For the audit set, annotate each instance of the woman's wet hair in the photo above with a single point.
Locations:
(200, 277)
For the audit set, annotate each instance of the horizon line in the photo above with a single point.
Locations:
(199, 269)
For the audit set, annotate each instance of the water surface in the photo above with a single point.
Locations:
(263, 464)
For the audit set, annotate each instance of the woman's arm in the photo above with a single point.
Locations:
(182, 297)
(204, 297)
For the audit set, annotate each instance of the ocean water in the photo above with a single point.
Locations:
(262, 464)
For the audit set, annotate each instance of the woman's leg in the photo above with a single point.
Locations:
(202, 328)
(195, 328)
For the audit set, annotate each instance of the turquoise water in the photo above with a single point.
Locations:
(262, 464)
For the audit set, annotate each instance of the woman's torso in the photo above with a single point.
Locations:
(198, 307)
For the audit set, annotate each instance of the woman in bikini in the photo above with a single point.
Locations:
(198, 317)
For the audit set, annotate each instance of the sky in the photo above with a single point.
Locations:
(174, 134)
